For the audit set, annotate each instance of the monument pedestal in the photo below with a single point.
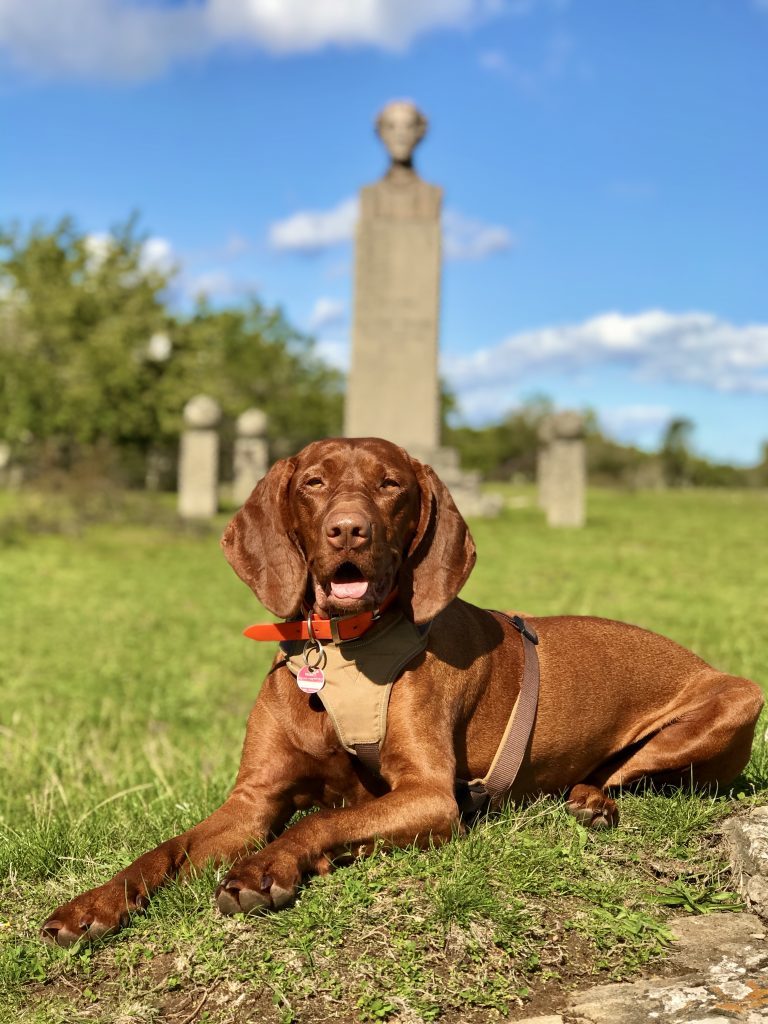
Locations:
(393, 387)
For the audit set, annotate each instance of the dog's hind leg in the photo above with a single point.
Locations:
(706, 743)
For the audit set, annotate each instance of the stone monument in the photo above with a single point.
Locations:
(562, 469)
(251, 460)
(393, 387)
(198, 496)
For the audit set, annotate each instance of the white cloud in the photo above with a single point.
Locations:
(311, 231)
(97, 247)
(692, 348)
(639, 424)
(235, 246)
(102, 38)
(334, 352)
(122, 39)
(217, 283)
(157, 253)
(326, 312)
(554, 62)
(302, 25)
(467, 239)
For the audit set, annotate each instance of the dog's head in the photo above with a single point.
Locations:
(343, 522)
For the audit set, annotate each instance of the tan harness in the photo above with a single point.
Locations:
(359, 675)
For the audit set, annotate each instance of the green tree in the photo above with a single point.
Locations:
(79, 367)
(251, 356)
(75, 322)
(675, 451)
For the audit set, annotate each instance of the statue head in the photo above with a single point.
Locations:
(401, 126)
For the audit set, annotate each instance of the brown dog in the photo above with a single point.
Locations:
(337, 528)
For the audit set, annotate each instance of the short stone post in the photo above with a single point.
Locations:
(199, 459)
(563, 469)
(5, 463)
(251, 454)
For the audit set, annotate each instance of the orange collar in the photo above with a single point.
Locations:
(314, 628)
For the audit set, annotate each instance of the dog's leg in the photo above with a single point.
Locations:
(416, 812)
(592, 807)
(707, 742)
(260, 804)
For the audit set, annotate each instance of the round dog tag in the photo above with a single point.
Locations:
(310, 680)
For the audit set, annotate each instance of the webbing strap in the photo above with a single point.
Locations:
(369, 754)
(509, 756)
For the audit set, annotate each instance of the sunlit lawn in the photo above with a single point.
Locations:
(126, 683)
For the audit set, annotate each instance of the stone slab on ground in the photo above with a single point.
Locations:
(722, 963)
(746, 836)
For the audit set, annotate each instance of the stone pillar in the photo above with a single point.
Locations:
(5, 463)
(199, 459)
(393, 389)
(251, 455)
(562, 469)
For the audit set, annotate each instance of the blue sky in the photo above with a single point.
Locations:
(604, 167)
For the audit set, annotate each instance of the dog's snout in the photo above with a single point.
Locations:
(348, 530)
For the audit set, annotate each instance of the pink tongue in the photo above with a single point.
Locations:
(354, 590)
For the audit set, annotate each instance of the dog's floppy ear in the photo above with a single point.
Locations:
(442, 553)
(260, 548)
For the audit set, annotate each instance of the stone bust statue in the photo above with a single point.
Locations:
(401, 126)
(401, 194)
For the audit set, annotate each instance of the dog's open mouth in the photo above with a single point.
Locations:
(348, 583)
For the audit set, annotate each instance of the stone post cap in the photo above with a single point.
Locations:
(202, 412)
(252, 423)
(566, 424)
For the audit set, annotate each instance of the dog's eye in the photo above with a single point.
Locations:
(314, 481)
(389, 483)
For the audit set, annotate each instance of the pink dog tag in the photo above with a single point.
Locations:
(310, 680)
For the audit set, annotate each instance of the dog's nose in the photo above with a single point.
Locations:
(348, 530)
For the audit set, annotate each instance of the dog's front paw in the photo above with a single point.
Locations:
(92, 915)
(266, 881)
(592, 808)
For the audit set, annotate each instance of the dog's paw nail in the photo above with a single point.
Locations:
(56, 932)
(227, 898)
(234, 897)
(582, 814)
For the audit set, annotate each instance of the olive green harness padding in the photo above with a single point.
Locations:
(359, 675)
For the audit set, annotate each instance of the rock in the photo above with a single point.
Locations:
(708, 939)
(727, 956)
(746, 836)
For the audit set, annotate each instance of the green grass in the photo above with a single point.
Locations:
(126, 684)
